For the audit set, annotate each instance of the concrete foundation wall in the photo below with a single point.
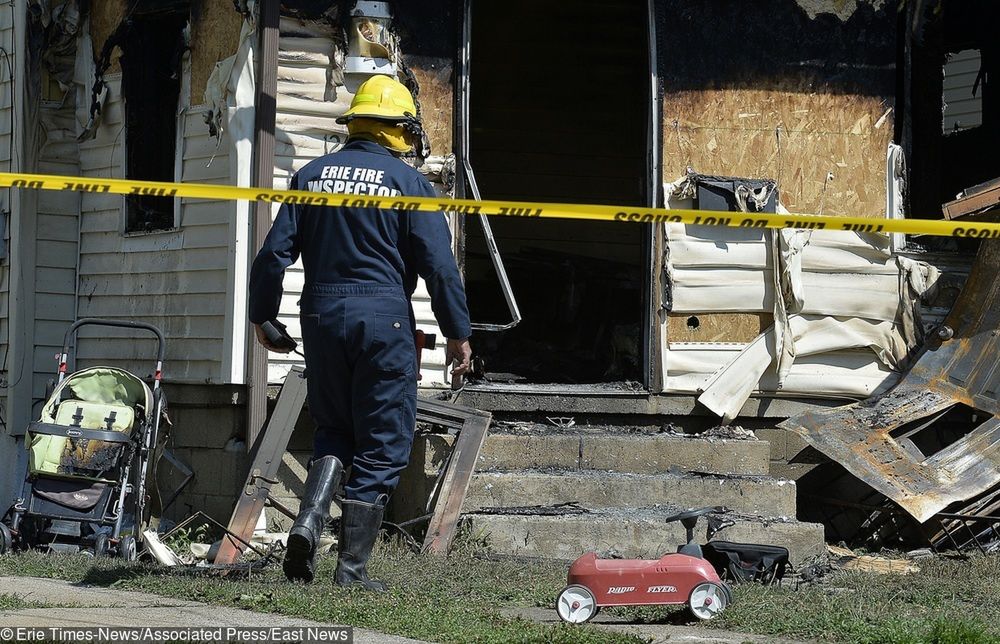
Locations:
(208, 435)
(785, 446)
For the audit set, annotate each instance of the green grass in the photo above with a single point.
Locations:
(462, 599)
(9, 601)
(949, 601)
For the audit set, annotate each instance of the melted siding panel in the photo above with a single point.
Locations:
(308, 104)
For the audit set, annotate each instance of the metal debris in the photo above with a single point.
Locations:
(899, 442)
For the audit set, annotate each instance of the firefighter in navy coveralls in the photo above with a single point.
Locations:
(361, 267)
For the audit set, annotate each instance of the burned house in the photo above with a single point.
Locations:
(870, 108)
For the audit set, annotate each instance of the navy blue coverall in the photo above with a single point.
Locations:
(361, 267)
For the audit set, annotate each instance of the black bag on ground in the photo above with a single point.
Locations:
(745, 562)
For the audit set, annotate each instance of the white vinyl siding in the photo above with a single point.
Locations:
(6, 163)
(57, 230)
(962, 110)
(843, 276)
(306, 128)
(174, 279)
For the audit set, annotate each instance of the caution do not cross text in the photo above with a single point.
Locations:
(587, 212)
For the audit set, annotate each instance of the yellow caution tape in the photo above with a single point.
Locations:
(502, 208)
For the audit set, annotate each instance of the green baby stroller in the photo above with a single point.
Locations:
(91, 456)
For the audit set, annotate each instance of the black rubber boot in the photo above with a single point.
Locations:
(303, 538)
(359, 527)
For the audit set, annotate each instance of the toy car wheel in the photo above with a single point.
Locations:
(127, 548)
(708, 600)
(729, 594)
(576, 604)
(6, 539)
(101, 545)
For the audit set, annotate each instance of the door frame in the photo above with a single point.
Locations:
(652, 236)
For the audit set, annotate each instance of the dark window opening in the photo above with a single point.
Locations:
(541, 131)
(963, 91)
(930, 436)
(951, 118)
(151, 84)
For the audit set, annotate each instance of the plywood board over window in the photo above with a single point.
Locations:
(215, 35)
(104, 18)
(436, 98)
(804, 96)
(427, 33)
(826, 151)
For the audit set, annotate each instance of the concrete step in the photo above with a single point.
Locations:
(597, 490)
(624, 452)
(632, 533)
(640, 453)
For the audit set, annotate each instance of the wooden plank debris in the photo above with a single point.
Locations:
(458, 474)
(268, 448)
(847, 560)
(471, 425)
(974, 200)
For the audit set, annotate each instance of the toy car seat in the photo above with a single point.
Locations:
(689, 519)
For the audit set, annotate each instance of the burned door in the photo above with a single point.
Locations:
(559, 110)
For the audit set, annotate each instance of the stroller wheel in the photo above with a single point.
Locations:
(101, 545)
(126, 548)
(6, 539)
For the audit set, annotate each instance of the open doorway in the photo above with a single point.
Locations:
(560, 111)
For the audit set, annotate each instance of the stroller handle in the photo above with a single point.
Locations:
(127, 324)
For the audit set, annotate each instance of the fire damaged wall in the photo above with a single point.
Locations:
(105, 15)
(312, 95)
(215, 35)
(427, 33)
(177, 277)
(215, 31)
(801, 92)
(428, 42)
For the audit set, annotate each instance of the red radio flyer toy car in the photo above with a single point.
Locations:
(674, 579)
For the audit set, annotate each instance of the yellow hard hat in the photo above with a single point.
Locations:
(383, 98)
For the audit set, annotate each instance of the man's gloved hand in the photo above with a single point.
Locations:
(262, 338)
(459, 353)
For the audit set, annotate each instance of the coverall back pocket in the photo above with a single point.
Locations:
(393, 349)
